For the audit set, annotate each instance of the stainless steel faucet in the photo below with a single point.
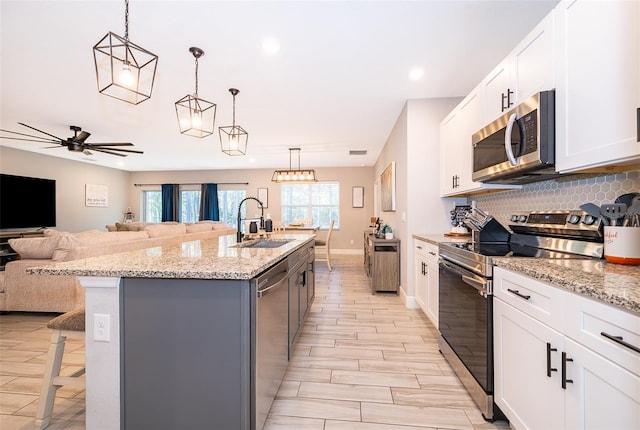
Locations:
(239, 233)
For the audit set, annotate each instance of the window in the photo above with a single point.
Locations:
(319, 201)
(152, 205)
(189, 205)
(228, 201)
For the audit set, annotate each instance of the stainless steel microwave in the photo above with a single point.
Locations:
(518, 147)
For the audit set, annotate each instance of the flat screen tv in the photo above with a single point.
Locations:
(27, 202)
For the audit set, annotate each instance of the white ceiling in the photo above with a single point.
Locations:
(338, 82)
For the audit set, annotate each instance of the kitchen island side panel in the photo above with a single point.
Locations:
(186, 355)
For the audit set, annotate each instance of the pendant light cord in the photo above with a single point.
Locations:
(196, 94)
(234, 112)
(126, 20)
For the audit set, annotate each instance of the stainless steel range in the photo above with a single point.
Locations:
(466, 276)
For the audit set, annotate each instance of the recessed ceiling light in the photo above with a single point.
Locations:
(416, 74)
(270, 46)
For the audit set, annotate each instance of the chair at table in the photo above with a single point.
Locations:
(68, 325)
(325, 247)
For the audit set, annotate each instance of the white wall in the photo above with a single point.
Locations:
(71, 178)
(414, 144)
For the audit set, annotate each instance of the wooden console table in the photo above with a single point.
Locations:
(382, 263)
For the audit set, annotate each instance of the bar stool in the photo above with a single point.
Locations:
(68, 325)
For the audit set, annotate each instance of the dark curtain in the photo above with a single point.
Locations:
(170, 199)
(209, 209)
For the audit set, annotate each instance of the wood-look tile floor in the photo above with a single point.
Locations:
(362, 362)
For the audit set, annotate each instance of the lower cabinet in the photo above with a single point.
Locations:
(301, 291)
(545, 378)
(426, 278)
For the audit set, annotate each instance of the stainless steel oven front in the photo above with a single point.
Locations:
(466, 330)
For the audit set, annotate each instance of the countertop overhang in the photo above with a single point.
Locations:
(214, 258)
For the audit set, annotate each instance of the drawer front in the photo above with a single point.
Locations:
(536, 299)
(420, 247)
(432, 253)
(608, 331)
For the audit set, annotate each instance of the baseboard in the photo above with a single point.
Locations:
(410, 302)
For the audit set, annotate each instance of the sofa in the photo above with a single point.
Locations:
(20, 291)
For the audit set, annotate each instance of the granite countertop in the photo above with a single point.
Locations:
(615, 284)
(214, 258)
(435, 238)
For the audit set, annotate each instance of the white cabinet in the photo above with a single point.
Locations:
(420, 273)
(456, 148)
(528, 69)
(426, 278)
(598, 87)
(549, 340)
(522, 388)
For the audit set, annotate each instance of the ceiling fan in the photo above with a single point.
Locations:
(76, 143)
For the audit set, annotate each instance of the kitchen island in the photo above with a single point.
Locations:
(172, 333)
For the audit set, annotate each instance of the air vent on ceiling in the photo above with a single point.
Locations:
(358, 152)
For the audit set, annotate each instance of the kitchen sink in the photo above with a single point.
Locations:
(262, 243)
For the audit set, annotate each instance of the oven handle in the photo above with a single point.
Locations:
(468, 277)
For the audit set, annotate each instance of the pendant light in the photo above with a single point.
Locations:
(233, 138)
(294, 175)
(124, 70)
(196, 117)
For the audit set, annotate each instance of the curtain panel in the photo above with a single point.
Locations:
(170, 199)
(209, 209)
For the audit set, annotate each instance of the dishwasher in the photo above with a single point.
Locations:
(272, 338)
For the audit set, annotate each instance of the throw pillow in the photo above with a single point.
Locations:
(164, 229)
(40, 248)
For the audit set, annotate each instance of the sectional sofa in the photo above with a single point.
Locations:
(20, 291)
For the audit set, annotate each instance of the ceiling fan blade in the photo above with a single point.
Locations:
(132, 151)
(51, 147)
(82, 136)
(108, 152)
(40, 131)
(28, 140)
(87, 152)
(42, 139)
(109, 144)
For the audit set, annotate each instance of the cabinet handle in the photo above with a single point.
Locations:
(424, 268)
(564, 371)
(620, 340)
(549, 351)
(518, 293)
(418, 246)
(432, 253)
(509, 102)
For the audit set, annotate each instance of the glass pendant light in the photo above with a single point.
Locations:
(196, 116)
(124, 70)
(233, 138)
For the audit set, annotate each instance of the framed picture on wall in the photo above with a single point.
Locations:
(263, 196)
(96, 195)
(388, 188)
(357, 197)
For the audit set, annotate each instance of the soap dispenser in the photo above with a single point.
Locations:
(268, 224)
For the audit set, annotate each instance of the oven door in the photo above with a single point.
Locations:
(466, 321)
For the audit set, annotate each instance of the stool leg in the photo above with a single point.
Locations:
(48, 390)
(328, 258)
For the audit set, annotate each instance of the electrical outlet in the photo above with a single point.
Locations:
(101, 324)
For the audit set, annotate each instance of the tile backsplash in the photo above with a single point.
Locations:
(567, 194)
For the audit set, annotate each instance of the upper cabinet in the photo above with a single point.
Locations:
(598, 86)
(528, 69)
(455, 146)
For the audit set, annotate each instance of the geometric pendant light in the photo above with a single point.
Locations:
(233, 138)
(124, 70)
(196, 117)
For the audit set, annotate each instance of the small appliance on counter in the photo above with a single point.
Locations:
(458, 214)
